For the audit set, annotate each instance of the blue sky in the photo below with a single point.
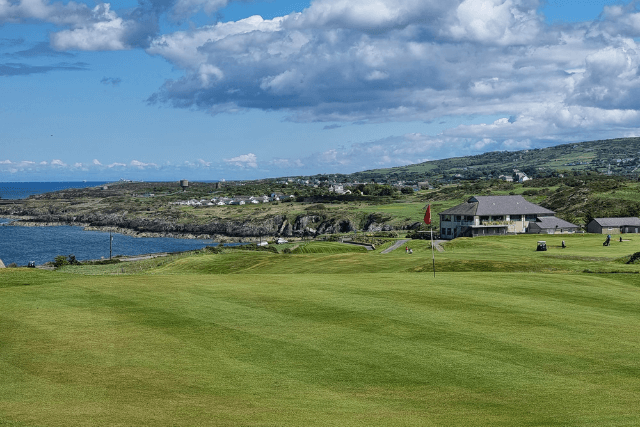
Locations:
(223, 89)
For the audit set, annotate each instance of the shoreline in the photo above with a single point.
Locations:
(28, 221)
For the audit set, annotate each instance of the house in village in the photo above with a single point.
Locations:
(614, 225)
(495, 215)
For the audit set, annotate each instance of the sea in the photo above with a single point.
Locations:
(21, 245)
(22, 190)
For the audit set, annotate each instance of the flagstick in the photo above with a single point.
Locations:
(427, 220)
(433, 255)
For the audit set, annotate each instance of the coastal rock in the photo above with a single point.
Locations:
(169, 225)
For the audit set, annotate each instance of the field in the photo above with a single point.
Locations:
(502, 335)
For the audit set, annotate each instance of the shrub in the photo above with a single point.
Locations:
(635, 257)
(59, 261)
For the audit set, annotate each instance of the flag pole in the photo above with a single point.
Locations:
(433, 255)
(427, 220)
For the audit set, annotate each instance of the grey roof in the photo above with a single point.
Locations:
(551, 222)
(461, 209)
(618, 222)
(497, 205)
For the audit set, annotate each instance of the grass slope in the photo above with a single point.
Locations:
(330, 339)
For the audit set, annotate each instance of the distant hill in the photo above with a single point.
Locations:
(615, 156)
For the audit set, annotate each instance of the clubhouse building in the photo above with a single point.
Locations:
(496, 215)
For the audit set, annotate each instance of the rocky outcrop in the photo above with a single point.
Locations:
(332, 226)
(278, 225)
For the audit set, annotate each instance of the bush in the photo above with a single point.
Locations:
(635, 257)
(413, 234)
(59, 261)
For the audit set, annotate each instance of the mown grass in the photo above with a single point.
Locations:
(327, 248)
(325, 338)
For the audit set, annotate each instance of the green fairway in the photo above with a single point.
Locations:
(503, 335)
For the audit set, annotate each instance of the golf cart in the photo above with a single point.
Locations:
(542, 245)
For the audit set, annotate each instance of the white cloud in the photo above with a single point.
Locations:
(58, 162)
(245, 161)
(106, 31)
(141, 165)
(97, 162)
(496, 21)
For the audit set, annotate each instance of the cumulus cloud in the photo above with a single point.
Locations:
(244, 161)
(358, 61)
(104, 31)
(370, 61)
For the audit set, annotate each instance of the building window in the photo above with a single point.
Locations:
(446, 217)
(498, 218)
(531, 217)
(458, 218)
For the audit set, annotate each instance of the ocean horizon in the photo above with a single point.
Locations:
(22, 190)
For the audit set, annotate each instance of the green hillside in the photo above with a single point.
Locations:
(619, 156)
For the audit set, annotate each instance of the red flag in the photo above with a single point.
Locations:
(427, 216)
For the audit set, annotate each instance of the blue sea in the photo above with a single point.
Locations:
(22, 190)
(42, 244)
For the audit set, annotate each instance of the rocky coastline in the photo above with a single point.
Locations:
(226, 231)
(123, 213)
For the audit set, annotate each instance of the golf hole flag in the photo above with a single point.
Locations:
(427, 216)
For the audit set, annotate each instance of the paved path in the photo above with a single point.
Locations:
(436, 244)
(366, 245)
(395, 246)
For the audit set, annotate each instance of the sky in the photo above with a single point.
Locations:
(246, 89)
